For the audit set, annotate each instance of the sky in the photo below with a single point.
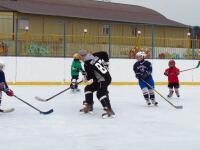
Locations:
(184, 11)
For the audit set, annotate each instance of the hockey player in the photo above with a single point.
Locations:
(76, 68)
(100, 75)
(173, 82)
(143, 70)
(3, 85)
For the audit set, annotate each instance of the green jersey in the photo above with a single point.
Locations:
(76, 67)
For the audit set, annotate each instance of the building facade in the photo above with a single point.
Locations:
(60, 28)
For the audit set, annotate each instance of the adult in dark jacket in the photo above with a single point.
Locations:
(96, 70)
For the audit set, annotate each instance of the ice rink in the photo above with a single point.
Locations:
(136, 126)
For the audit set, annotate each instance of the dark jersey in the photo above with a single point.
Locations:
(96, 70)
(2, 79)
(143, 67)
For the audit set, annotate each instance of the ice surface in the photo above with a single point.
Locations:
(136, 126)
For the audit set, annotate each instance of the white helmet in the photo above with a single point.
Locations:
(141, 54)
(2, 64)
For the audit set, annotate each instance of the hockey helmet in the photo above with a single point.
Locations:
(140, 55)
(171, 63)
(83, 52)
(2, 64)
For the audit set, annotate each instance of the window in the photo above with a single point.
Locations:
(134, 31)
(106, 29)
(23, 24)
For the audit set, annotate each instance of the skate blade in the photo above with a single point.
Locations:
(108, 117)
(150, 106)
(89, 113)
(155, 104)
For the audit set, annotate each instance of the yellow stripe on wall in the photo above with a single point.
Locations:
(113, 83)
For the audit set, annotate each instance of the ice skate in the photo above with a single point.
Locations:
(154, 102)
(170, 94)
(87, 109)
(75, 90)
(148, 102)
(72, 90)
(109, 113)
(78, 90)
(177, 94)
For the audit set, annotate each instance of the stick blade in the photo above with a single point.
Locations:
(7, 110)
(179, 107)
(46, 112)
(198, 65)
(40, 99)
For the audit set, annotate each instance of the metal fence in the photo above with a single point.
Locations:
(26, 44)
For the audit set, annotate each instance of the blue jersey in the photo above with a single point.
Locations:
(143, 67)
(143, 70)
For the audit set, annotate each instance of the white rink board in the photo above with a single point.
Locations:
(36, 69)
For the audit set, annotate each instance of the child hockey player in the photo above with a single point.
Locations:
(96, 71)
(143, 70)
(75, 69)
(173, 82)
(3, 85)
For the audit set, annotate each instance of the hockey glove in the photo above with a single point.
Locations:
(138, 76)
(9, 92)
(83, 73)
(166, 73)
(144, 75)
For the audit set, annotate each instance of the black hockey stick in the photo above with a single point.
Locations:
(45, 100)
(41, 112)
(191, 68)
(177, 107)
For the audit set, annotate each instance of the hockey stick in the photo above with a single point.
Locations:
(177, 107)
(45, 100)
(41, 112)
(191, 68)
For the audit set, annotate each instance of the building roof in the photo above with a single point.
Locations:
(4, 9)
(90, 9)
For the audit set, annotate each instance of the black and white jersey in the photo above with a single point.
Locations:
(103, 56)
(96, 70)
